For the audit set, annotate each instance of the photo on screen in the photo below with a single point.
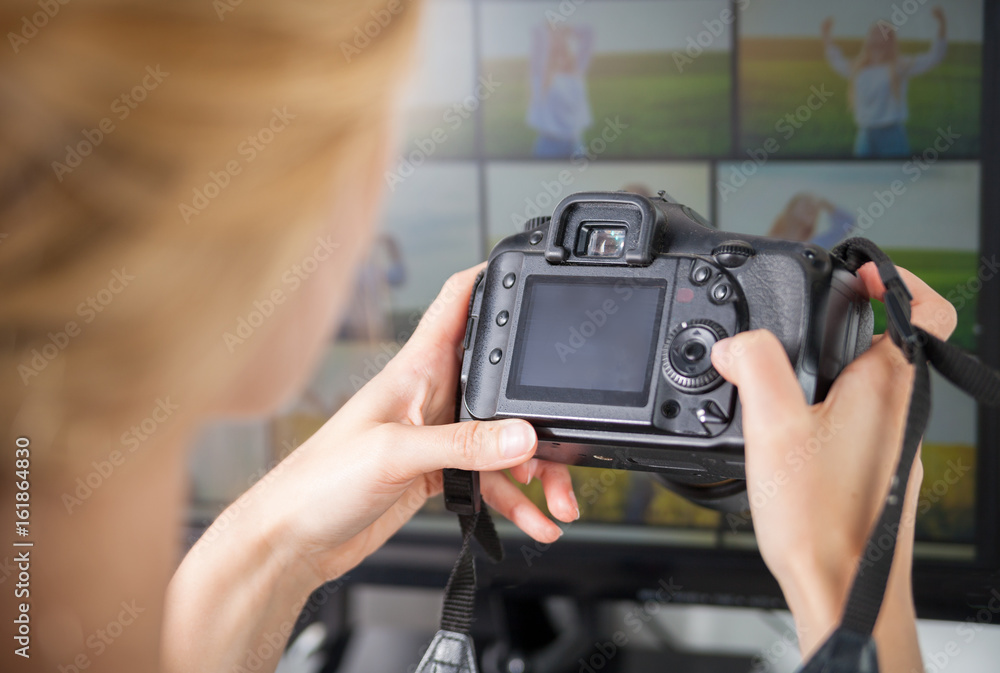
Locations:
(861, 78)
(519, 191)
(928, 222)
(440, 106)
(430, 229)
(630, 79)
(344, 368)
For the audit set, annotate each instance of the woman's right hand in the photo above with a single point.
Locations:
(938, 13)
(817, 475)
(826, 27)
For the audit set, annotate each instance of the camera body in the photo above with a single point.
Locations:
(597, 327)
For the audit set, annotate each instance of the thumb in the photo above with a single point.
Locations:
(471, 445)
(756, 363)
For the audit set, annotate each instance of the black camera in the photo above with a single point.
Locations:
(597, 326)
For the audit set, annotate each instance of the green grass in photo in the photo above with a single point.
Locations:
(778, 74)
(668, 113)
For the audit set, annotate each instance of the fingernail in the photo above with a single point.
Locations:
(516, 439)
(532, 466)
(576, 505)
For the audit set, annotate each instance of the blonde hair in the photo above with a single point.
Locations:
(864, 58)
(214, 76)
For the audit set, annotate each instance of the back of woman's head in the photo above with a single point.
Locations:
(161, 163)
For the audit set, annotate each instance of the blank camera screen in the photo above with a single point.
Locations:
(587, 341)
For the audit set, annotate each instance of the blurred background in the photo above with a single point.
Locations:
(744, 111)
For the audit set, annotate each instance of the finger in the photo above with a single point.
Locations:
(756, 363)
(928, 309)
(525, 472)
(558, 487)
(507, 499)
(414, 450)
(444, 320)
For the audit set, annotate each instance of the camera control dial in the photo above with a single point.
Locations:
(687, 355)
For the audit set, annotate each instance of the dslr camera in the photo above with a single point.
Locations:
(597, 325)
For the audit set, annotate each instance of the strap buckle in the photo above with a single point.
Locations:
(461, 492)
(897, 309)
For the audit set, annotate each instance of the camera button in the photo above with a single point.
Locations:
(710, 413)
(536, 238)
(701, 273)
(470, 325)
(508, 280)
(502, 318)
(495, 356)
(722, 292)
(732, 254)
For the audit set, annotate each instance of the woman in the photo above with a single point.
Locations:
(878, 80)
(223, 316)
(800, 217)
(559, 109)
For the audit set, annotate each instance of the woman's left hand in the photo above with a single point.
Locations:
(353, 484)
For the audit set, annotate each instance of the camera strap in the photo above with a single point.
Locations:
(851, 648)
(452, 649)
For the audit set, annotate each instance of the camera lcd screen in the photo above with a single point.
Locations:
(587, 340)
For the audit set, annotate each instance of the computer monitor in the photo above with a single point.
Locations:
(745, 112)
